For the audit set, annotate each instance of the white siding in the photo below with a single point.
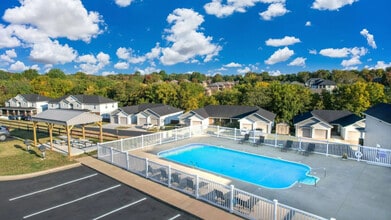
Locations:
(377, 132)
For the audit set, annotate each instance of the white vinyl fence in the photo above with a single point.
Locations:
(234, 200)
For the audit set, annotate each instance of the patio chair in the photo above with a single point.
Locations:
(163, 174)
(175, 179)
(260, 141)
(245, 139)
(287, 146)
(152, 170)
(220, 196)
(310, 149)
(189, 183)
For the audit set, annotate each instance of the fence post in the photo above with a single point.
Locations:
(253, 136)
(122, 145)
(275, 208)
(127, 161)
(234, 134)
(160, 136)
(327, 148)
(176, 134)
(197, 187)
(218, 130)
(112, 155)
(142, 141)
(189, 131)
(146, 168)
(275, 139)
(231, 204)
(300, 143)
(169, 176)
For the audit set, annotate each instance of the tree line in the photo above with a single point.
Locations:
(284, 95)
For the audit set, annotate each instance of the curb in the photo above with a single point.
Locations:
(39, 173)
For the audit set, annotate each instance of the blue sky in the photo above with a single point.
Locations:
(178, 36)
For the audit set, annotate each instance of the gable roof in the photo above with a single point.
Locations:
(380, 111)
(319, 82)
(66, 117)
(232, 111)
(35, 98)
(329, 116)
(134, 109)
(348, 120)
(87, 99)
(164, 110)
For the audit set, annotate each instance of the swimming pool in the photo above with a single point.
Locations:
(259, 170)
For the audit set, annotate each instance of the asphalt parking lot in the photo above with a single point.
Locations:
(80, 193)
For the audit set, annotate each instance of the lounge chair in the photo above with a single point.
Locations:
(310, 149)
(220, 196)
(260, 141)
(189, 183)
(245, 139)
(163, 174)
(175, 178)
(287, 146)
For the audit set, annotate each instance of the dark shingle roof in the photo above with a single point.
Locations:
(134, 109)
(381, 111)
(329, 116)
(348, 120)
(35, 98)
(232, 111)
(86, 99)
(165, 110)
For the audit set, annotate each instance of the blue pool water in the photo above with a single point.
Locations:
(263, 171)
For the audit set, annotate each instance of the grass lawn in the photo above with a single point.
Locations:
(15, 159)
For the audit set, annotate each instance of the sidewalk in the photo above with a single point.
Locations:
(175, 198)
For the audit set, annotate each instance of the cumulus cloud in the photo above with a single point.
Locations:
(299, 61)
(75, 22)
(286, 41)
(274, 10)
(91, 64)
(121, 65)
(129, 55)
(353, 61)
(123, 3)
(233, 65)
(7, 38)
(370, 38)
(51, 52)
(308, 23)
(244, 70)
(382, 65)
(331, 4)
(280, 55)
(18, 66)
(221, 8)
(312, 51)
(186, 41)
(335, 53)
(353, 55)
(8, 56)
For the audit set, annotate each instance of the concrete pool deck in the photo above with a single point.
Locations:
(347, 189)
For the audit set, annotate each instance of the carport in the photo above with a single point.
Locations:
(68, 119)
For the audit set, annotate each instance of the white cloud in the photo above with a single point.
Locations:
(308, 23)
(147, 70)
(123, 3)
(220, 9)
(232, 65)
(280, 55)
(86, 59)
(8, 56)
(7, 40)
(352, 62)
(121, 65)
(286, 41)
(106, 73)
(244, 70)
(313, 51)
(382, 65)
(91, 64)
(52, 52)
(128, 54)
(186, 42)
(275, 73)
(331, 4)
(335, 53)
(274, 10)
(299, 61)
(60, 18)
(18, 66)
(370, 38)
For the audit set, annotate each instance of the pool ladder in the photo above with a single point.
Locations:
(313, 171)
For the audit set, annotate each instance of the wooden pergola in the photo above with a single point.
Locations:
(68, 119)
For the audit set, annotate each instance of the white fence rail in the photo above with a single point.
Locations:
(234, 200)
(226, 197)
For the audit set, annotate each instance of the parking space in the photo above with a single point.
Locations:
(80, 193)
